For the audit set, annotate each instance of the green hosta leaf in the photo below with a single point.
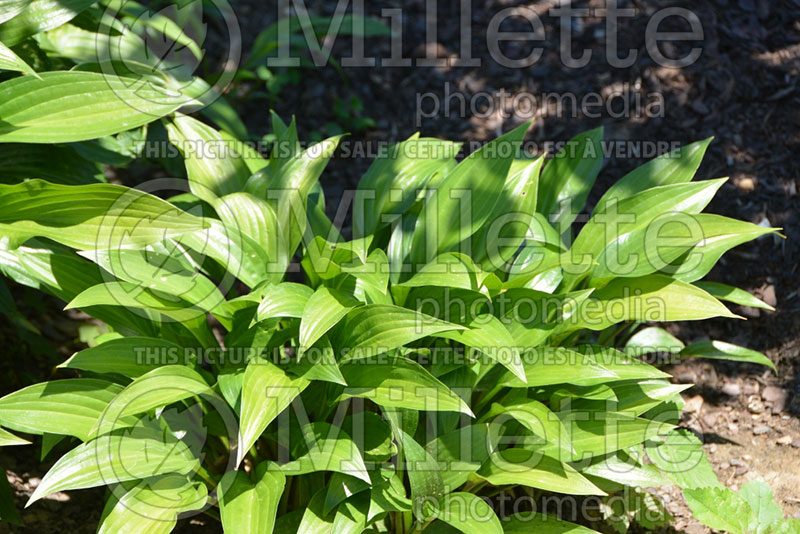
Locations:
(545, 366)
(329, 449)
(525, 523)
(733, 294)
(68, 407)
(635, 212)
(88, 217)
(568, 178)
(529, 468)
(596, 433)
(640, 396)
(286, 299)
(213, 165)
(655, 297)
(652, 339)
(720, 235)
(720, 350)
(319, 363)
(450, 270)
(136, 296)
(536, 418)
(322, 311)
(129, 454)
(625, 470)
(129, 356)
(399, 382)
(266, 392)
(250, 507)
(340, 488)
(424, 476)
(67, 106)
(11, 61)
(622, 365)
(679, 166)
(351, 516)
(255, 218)
(390, 185)
(466, 197)
(7, 439)
(289, 188)
(469, 514)
(11, 8)
(489, 335)
(239, 254)
(38, 16)
(314, 520)
(161, 267)
(378, 328)
(153, 506)
(461, 452)
(721, 509)
(156, 389)
(510, 223)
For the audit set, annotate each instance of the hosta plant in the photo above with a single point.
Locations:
(462, 350)
(459, 346)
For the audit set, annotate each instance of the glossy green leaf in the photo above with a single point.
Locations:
(473, 188)
(377, 328)
(525, 523)
(469, 514)
(129, 356)
(54, 163)
(733, 294)
(250, 506)
(399, 382)
(267, 390)
(568, 178)
(679, 455)
(68, 406)
(596, 433)
(391, 183)
(7, 439)
(214, 166)
(11, 61)
(720, 350)
(88, 217)
(721, 509)
(11, 8)
(129, 454)
(652, 339)
(679, 166)
(66, 106)
(488, 335)
(155, 389)
(286, 299)
(529, 468)
(153, 506)
(654, 297)
(323, 310)
(328, 448)
(38, 16)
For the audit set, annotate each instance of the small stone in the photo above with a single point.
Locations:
(761, 429)
(694, 404)
(731, 389)
(741, 471)
(777, 396)
(768, 295)
(745, 183)
(755, 405)
(785, 440)
(751, 388)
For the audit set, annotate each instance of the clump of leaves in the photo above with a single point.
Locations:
(467, 341)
